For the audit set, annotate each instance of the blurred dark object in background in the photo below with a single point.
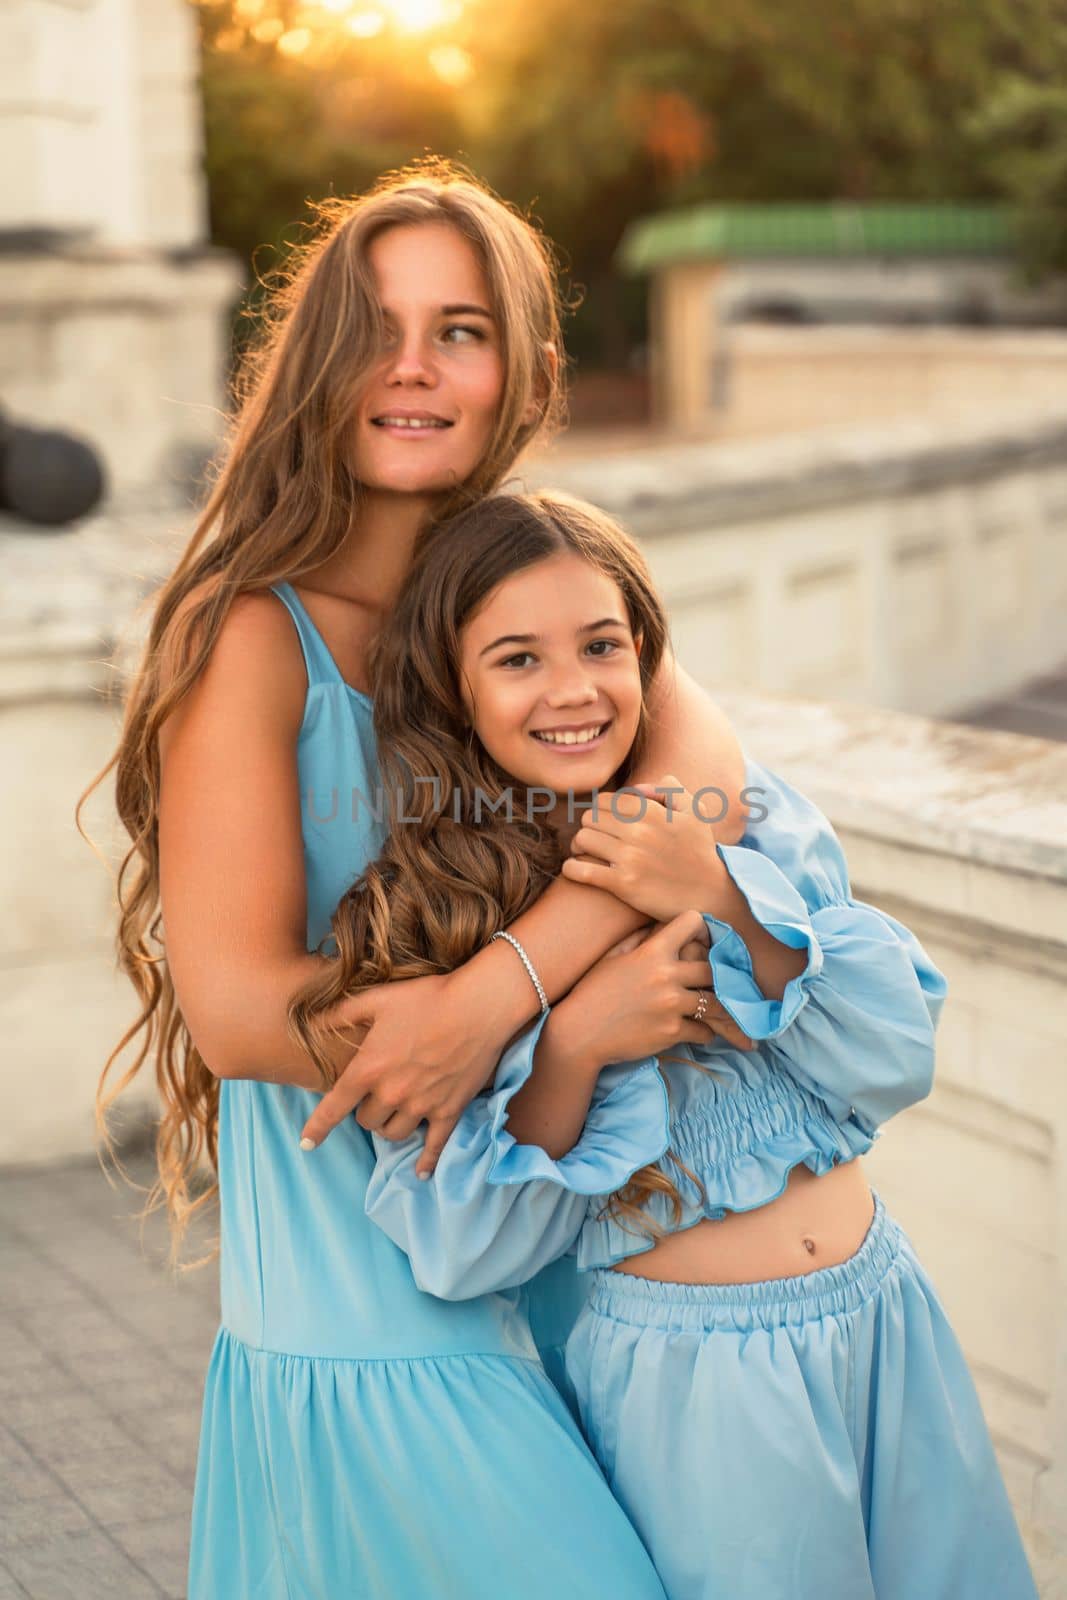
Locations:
(47, 477)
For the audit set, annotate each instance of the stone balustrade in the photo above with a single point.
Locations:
(962, 835)
(896, 566)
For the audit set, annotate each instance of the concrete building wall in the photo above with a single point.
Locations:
(716, 374)
(125, 349)
(766, 380)
(100, 120)
(115, 328)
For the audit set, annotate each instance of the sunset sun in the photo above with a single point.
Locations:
(410, 16)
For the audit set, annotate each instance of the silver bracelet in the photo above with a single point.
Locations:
(528, 964)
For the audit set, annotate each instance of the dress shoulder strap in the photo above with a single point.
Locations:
(321, 667)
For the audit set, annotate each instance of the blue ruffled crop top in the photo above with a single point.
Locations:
(850, 1042)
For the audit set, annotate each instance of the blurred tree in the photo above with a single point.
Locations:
(285, 125)
(597, 113)
(1022, 131)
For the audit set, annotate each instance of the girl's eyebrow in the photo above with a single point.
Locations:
(535, 638)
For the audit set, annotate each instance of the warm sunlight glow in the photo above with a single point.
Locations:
(416, 16)
(308, 25)
(451, 64)
(366, 25)
(295, 42)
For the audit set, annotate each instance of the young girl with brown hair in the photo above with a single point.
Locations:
(358, 1437)
(763, 1369)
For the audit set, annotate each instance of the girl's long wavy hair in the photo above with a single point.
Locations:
(459, 866)
(283, 501)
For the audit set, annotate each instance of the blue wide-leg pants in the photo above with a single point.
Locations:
(807, 1438)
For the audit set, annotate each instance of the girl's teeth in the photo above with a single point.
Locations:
(570, 738)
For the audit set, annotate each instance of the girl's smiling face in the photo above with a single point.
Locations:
(550, 676)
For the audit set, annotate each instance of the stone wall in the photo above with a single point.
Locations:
(962, 835)
(768, 380)
(900, 566)
(124, 348)
(71, 622)
(113, 310)
(100, 120)
(898, 336)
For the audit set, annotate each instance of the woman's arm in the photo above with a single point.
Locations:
(495, 1212)
(691, 737)
(232, 877)
(231, 864)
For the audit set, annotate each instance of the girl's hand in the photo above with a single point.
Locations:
(659, 861)
(641, 1001)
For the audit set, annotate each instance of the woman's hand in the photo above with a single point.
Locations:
(421, 1061)
(640, 997)
(651, 847)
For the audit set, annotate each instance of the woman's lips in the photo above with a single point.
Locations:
(402, 427)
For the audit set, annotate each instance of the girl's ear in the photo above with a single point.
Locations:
(536, 403)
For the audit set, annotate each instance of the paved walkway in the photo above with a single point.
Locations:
(100, 1388)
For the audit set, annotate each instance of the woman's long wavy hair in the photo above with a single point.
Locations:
(283, 501)
(468, 857)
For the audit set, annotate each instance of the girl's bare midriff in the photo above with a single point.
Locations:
(814, 1223)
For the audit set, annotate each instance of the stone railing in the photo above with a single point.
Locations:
(895, 566)
(69, 625)
(962, 835)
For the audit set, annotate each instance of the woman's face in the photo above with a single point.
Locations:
(550, 653)
(427, 413)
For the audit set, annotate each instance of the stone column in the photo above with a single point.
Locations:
(112, 304)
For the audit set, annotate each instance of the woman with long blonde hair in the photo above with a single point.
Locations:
(358, 1436)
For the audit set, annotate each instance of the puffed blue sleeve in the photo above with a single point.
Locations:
(856, 1026)
(494, 1211)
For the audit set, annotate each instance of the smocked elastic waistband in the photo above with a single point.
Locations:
(699, 1307)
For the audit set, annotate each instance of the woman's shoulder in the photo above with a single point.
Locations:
(254, 669)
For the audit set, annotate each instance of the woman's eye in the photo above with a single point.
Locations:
(612, 644)
(469, 333)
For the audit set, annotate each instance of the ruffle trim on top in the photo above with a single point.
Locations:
(779, 908)
(742, 1151)
(495, 1212)
(627, 1126)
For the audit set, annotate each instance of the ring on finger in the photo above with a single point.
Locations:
(702, 1006)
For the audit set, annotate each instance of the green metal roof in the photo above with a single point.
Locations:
(815, 230)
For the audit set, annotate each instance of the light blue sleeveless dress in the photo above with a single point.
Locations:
(360, 1438)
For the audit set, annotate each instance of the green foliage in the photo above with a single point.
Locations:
(593, 114)
(1022, 132)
